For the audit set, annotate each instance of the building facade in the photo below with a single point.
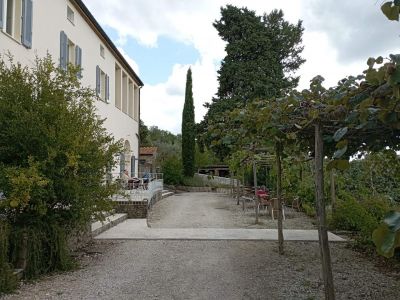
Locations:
(67, 31)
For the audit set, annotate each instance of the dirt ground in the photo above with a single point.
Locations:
(220, 270)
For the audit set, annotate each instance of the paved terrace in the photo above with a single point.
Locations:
(136, 229)
(204, 216)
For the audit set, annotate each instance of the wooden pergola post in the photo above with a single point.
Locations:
(332, 189)
(278, 149)
(320, 202)
(255, 190)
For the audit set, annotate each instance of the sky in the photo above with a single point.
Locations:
(161, 39)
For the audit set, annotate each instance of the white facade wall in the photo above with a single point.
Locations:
(49, 19)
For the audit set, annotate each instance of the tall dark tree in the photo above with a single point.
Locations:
(143, 134)
(188, 129)
(262, 54)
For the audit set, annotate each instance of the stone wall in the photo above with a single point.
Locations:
(134, 209)
(204, 189)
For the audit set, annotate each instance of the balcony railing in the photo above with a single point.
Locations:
(139, 188)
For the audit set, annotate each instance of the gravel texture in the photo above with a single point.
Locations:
(212, 210)
(211, 269)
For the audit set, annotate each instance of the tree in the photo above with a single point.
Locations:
(54, 153)
(143, 134)
(188, 129)
(262, 53)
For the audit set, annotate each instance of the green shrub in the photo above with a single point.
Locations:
(306, 191)
(308, 209)
(172, 169)
(8, 281)
(54, 153)
(352, 215)
(194, 181)
(377, 206)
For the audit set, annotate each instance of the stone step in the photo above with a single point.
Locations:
(111, 221)
(166, 194)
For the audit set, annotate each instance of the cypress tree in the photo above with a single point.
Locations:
(188, 129)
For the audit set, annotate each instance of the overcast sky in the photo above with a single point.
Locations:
(163, 38)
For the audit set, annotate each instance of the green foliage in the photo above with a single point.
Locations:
(391, 10)
(7, 280)
(204, 158)
(172, 169)
(188, 129)
(47, 248)
(352, 215)
(262, 54)
(53, 157)
(144, 134)
(309, 209)
(362, 215)
(387, 236)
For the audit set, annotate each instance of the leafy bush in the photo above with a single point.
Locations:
(54, 154)
(7, 279)
(194, 181)
(361, 216)
(172, 169)
(351, 215)
(308, 209)
(377, 206)
(306, 191)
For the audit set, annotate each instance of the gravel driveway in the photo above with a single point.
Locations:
(212, 210)
(211, 269)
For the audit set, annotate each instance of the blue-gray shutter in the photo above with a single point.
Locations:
(78, 60)
(121, 163)
(26, 37)
(97, 80)
(1, 13)
(107, 88)
(63, 50)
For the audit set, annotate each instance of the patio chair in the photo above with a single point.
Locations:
(275, 208)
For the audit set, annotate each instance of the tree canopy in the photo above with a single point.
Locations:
(188, 129)
(262, 54)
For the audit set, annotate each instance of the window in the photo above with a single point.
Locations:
(130, 99)
(16, 20)
(13, 14)
(10, 26)
(124, 93)
(70, 53)
(70, 15)
(136, 103)
(102, 52)
(118, 84)
(102, 85)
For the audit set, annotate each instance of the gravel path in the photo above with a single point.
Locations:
(211, 269)
(212, 210)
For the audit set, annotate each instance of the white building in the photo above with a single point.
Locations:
(70, 34)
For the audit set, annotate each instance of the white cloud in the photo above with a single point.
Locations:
(162, 104)
(338, 38)
(130, 60)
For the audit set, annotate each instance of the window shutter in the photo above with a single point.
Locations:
(78, 60)
(63, 50)
(26, 37)
(107, 88)
(97, 80)
(1, 13)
